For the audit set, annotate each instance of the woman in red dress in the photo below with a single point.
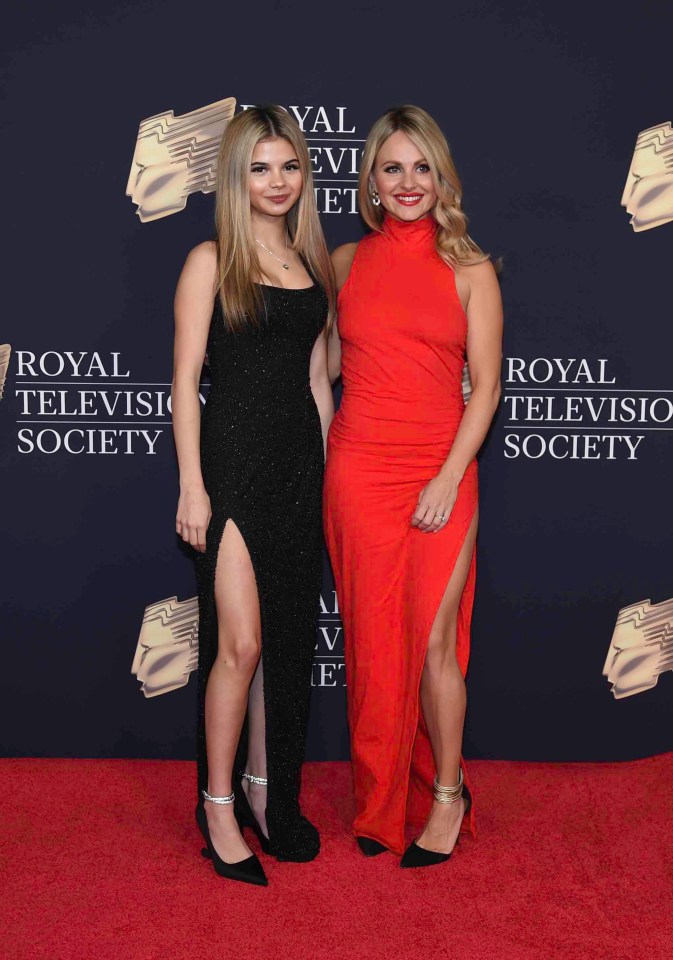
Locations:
(417, 298)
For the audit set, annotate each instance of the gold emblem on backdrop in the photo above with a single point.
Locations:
(641, 647)
(466, 384)
(648, 192)
(168, 645)
(176, 156)
(5, 351)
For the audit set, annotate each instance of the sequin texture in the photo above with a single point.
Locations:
(262, 464)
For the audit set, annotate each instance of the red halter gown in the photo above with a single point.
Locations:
(403, 333)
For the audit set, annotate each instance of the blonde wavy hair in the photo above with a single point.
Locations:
(454, 244)
(238, 263)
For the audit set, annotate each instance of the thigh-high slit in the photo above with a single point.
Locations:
(391, 579)
(262, 466)
(404, 337)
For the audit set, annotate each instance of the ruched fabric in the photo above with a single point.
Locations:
(403, 333)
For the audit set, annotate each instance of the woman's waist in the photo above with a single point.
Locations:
(386, 460)
(261, 399)
(363, 414)
(261, 444)
(268, 421)
(404, 398)
(430, 443)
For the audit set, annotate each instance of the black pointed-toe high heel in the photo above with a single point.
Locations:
(415, 856)
(304, 840)
(370, 848)
(249, 870)
(244, 813)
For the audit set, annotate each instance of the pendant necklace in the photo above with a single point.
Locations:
(285, 265)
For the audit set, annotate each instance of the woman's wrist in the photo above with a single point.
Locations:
(451, 473)
(192, 485)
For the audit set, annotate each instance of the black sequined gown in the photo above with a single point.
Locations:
(262, 464)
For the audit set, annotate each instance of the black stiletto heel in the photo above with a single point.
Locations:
(249, 870)
(306, 841)
(415, 856)
(370, 848)
(244, 813)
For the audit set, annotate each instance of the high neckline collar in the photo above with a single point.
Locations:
(409, 231)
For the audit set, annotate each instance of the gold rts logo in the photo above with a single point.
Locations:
(648, 192)
(168, 645)
(466, 384)
(641, 647)
(176, 156)
(5, 351)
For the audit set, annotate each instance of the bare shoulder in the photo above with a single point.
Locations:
(203, 257)
(344, 253)
(342, 260)
(477, 270)
(199, 274)
(477, 285)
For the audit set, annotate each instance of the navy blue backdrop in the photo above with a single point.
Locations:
(542, 108)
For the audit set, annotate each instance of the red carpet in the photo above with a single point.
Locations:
(101, 862)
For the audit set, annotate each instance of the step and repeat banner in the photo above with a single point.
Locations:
(560, 124)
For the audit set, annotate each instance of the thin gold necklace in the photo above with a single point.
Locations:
(285, 264)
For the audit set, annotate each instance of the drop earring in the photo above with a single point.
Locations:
(376, 199)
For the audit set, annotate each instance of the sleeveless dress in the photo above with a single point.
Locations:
(262, 464)
(403, 334)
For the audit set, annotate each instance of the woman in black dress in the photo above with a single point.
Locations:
(258, 302)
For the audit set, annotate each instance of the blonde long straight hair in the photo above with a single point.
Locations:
(238, 263)
(454, 245)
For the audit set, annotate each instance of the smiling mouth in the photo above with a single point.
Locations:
(408, 199)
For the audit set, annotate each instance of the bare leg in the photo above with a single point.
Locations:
(256, 762)
(443, 702)
(239, 645)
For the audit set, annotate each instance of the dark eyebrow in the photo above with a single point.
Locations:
(399, 163)
(264, 163)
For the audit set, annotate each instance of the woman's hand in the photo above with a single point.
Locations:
(436, 503)
(193, 517)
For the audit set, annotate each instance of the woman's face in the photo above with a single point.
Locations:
(275, 178)
(402, 178)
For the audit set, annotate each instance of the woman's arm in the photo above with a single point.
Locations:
(342, 260)
(334, 354)
(484, 353)
(193, 310)
(320, 385)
